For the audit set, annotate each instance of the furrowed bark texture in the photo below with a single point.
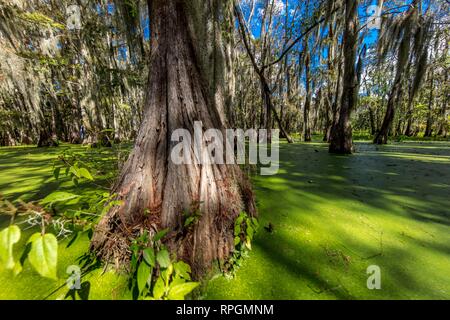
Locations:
(155, 191)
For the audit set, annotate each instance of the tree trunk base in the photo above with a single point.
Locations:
(210, 239)
(340, 150)
(46, 140)
(380, 139)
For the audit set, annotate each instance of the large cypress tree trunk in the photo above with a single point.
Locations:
(341, 134)
(155, 192)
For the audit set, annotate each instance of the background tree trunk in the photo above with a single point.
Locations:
(307, 106)
(341, 135)
(429, 129)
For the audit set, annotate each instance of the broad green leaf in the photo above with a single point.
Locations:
(237, 240)
(158, 289)
(72, 201)
(248, 243)
(189, 221)
(250, 231)
(165, 274)
(58, 196)
(237, 230)
(74, 171)
(34, 237)
(179, 291)
(43, 255)
(160, 235)
(176, 281)
(143, 275)
(163, 258)
(149, 256)
(83, 172)
(8, 237)
(182, 269)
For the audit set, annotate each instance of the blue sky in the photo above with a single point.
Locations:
(369, 36)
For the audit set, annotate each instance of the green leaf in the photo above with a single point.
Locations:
(166, 273)
(158, 236)
(176, 281)
(158, 289)
(43, 255)
(179, 291)
(237, 240)
(248, 243)
(189, 221)
(143, 276)
(8, 238)
(83, 172)
(250, 231)
(237, 230)
(74, 171)
(58, 196)
(163, 258)
(149, 256)
(182, 269)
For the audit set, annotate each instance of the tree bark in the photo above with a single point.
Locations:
(341, 136)
(154, 191)
(307, 106)
(428, 128)
(329, 95)
(373, 128)
(443, 114)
